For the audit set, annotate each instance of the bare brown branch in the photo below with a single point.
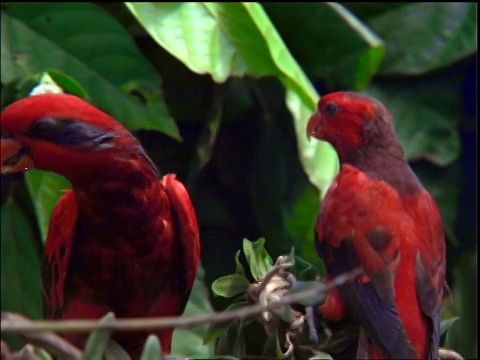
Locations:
(15, 326)
(51, 342)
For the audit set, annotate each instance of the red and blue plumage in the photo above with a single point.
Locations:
(121, 240)
(377, 215)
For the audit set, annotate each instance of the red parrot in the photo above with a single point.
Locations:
(122, 239)
(376, 215)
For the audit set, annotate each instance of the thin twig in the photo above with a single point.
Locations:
(9, 326)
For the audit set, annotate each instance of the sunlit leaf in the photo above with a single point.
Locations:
(257, 257)
(234, 39)
(347, 60)
(230, 285)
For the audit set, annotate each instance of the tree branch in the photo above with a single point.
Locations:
(22, 326)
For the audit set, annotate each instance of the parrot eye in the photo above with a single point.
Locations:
(330, 109)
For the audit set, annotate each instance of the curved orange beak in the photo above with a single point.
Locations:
(15, 157)
(315, 127)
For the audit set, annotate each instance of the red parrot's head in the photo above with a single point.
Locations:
(347, 119)
(64, 134)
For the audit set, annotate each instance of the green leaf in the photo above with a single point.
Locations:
(45, 36)
(318, 158)
(445, 325)
(45, 189)
(217, 329)
(349, 59)
(7, 64)
(232, 341)
(424, 113)
(305, 270)
(20, 266)
(114, 351)
(68, 84)
(257, 257)
(98, 340)
(152, 349)
(238, 265)
(230, 285)
(278, 347)
(367, 10)
(272, 347)
(43, 354)
(425, 36)
(189, 342)
(236, 39)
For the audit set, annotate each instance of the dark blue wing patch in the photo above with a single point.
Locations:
(70, 132)
(370, 305)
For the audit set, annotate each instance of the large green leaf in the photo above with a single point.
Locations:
(348, 59)
(21, 290)
(98, 53)
(424, 36)
(367, 10)
(424, 113)
(20, 266)
(234, 39)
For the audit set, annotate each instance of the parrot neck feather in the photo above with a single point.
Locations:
(381, 157)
